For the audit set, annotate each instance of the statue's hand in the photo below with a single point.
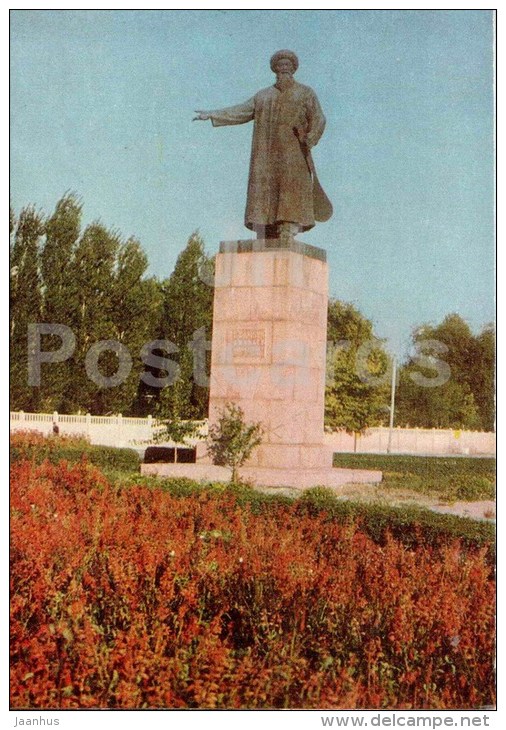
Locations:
(202, 116)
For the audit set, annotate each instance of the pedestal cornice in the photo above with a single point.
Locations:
(273, 244)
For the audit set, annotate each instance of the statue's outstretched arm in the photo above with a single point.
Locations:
(239, 114)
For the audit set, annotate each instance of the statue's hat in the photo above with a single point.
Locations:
(284, 54)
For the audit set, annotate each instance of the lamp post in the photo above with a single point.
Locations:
(392, 405)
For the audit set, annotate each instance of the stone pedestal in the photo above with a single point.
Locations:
(269, 357)
(269, 344)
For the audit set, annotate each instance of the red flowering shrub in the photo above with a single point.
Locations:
(133, 598)
(31, 438)
(35, 446)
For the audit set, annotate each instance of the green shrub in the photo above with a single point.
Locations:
(319, 498)
(243, 492)
(470, 488)
(411, 525)
(447, 477)
(179, 486)
(56, 449)
(231, 439)
(109, 457)
(426, 466)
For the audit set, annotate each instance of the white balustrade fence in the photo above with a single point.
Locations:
(122, 431)
(432, 441)
(104, 430)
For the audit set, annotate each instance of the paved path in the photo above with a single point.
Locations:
(484, 510)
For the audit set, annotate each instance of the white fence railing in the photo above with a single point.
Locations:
(122, 431)
(105, 430)
(433, 441)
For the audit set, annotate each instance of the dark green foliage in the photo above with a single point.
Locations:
(466, 399)
(106, 457)
(469, 488)
(12, 222)
(411, 525)
(451, 478)
(187, 323)
(175, 429)
(113, 458)
(177, 486)
(90, 315)
(421, 465)
(92, 282)
(25, 303)
(59, 296)
(319, 498)
(357, 392)
(136, 306)
(482, 380)
(188, 295)
(62, 229)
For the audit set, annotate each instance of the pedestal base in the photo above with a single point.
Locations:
(267, 477)
(306, 478)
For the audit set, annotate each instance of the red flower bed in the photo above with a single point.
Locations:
(132, 598)
(31, 439)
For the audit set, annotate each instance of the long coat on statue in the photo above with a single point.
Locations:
(280, 186)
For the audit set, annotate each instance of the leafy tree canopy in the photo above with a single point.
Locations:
(358, 380)
(464, 396)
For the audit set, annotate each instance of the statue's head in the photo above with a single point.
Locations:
(284, 61)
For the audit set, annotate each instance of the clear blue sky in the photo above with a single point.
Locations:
(102, 102)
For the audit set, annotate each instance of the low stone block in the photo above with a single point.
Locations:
(315, 457)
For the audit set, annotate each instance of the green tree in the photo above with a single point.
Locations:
(136, 307)
(483, 382)
(180, 424)
(62, 233)
(93, 283)
(187, 310)
(463, 396)
(456, 335)
(113, 301)
(175, 408)
(13, 270)
(90, 315)
(25, 303)
(449, 405)
(357, 391)
(231, 440)
(12, 227)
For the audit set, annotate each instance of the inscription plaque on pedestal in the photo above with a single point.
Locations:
(246, 344)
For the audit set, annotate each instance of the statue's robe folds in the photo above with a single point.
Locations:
(280, 185)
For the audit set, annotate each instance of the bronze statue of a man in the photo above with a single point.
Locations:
(284, 195)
